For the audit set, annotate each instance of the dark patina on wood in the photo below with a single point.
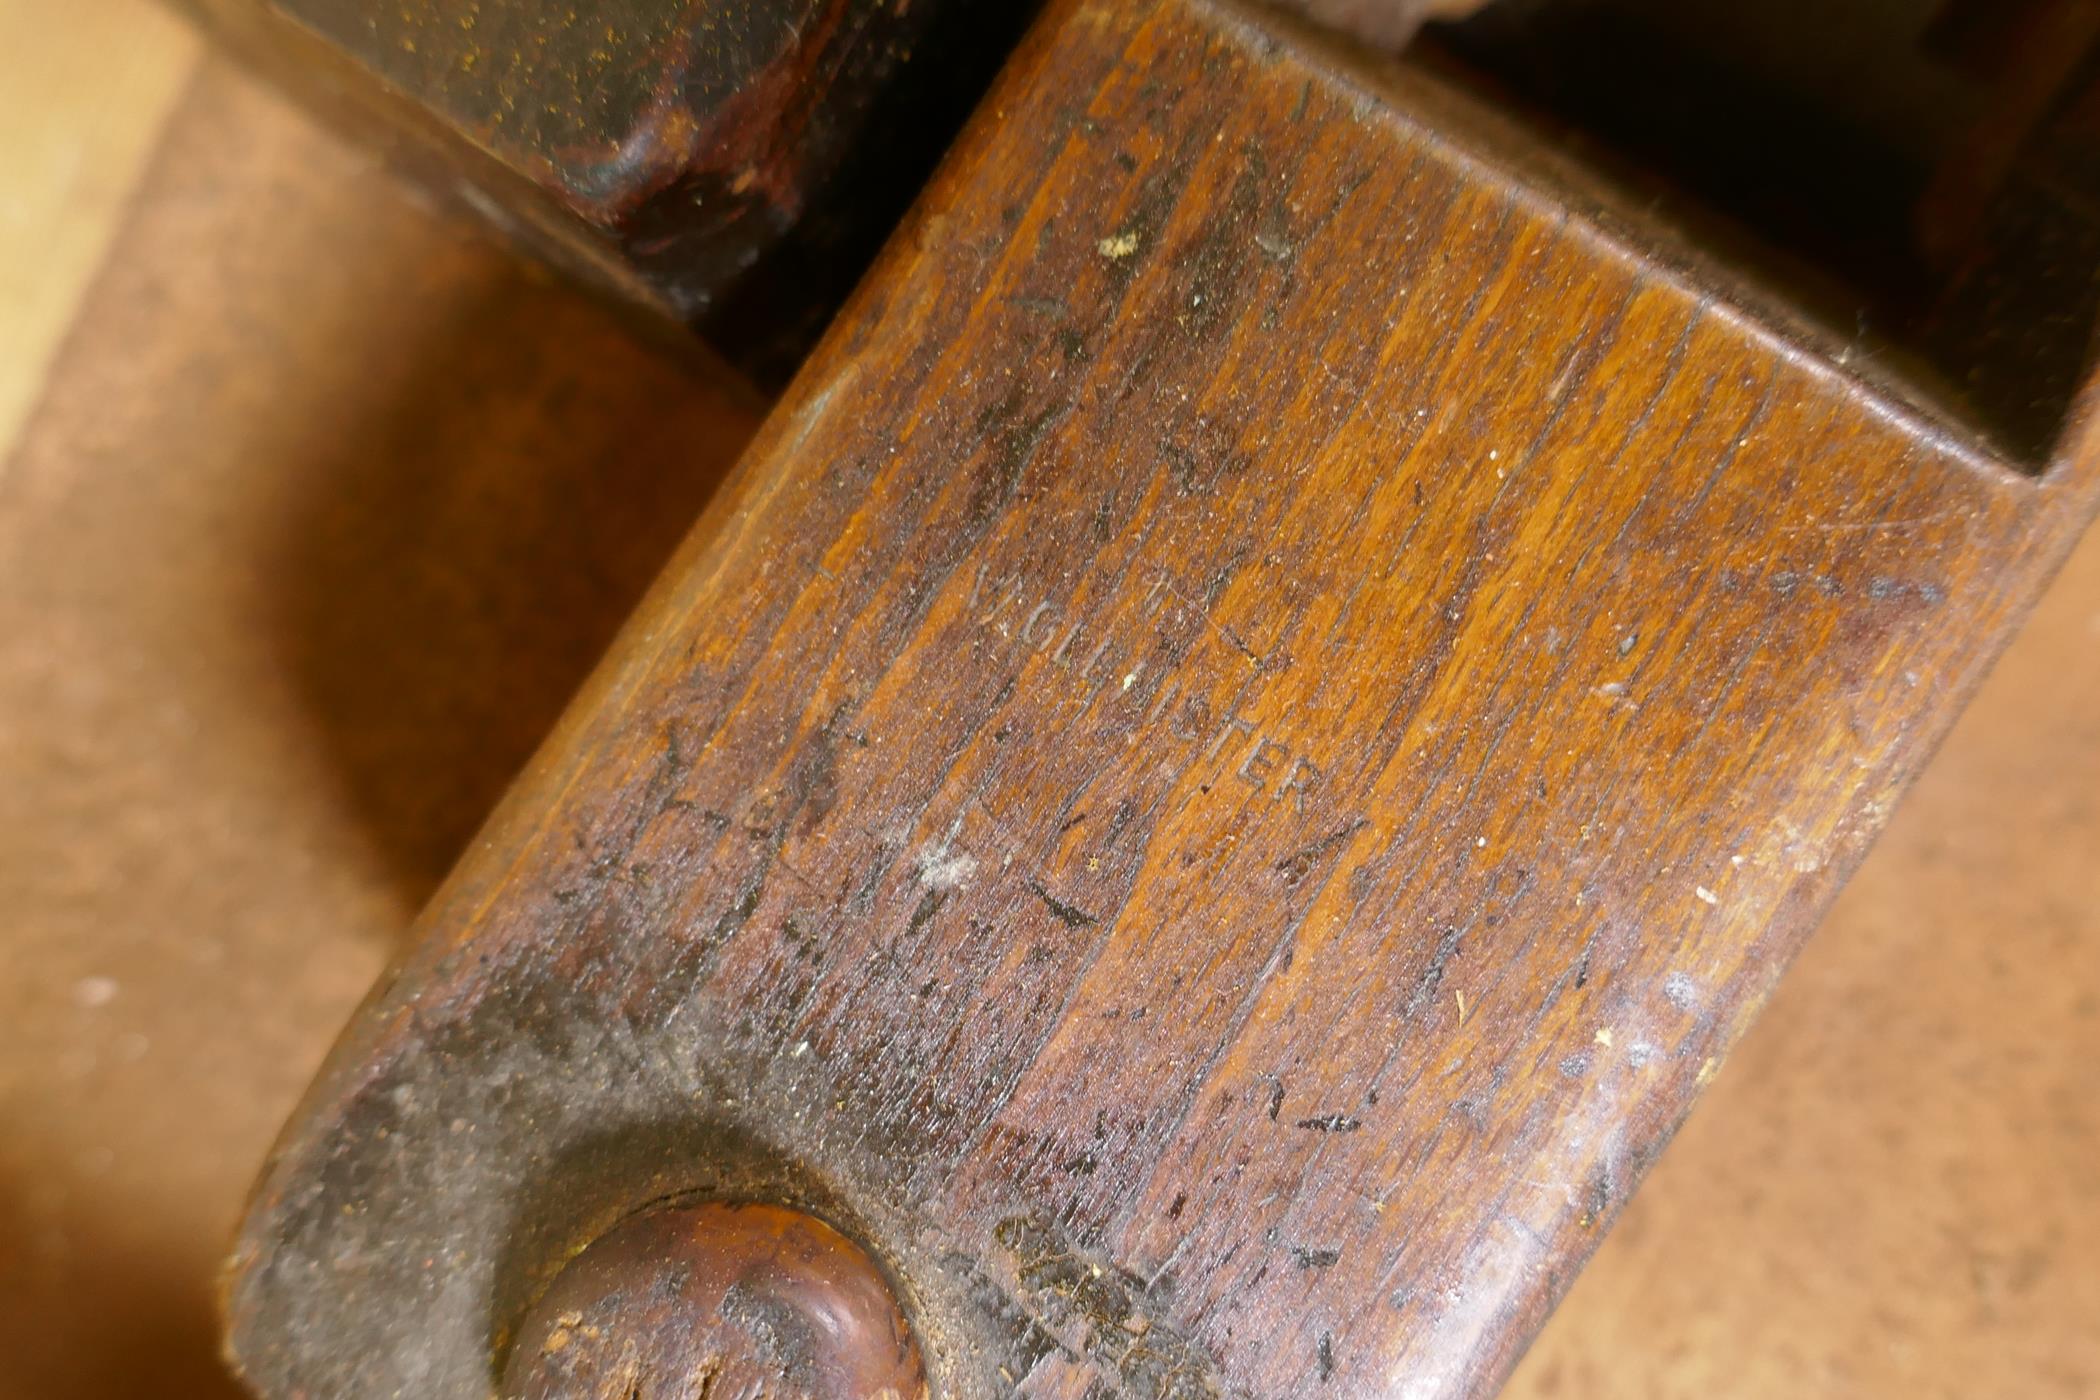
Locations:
(717, 1301)
(731, 164)
(1275, 696)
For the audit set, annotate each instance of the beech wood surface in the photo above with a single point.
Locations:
(1241, 745)
(1884, 1192)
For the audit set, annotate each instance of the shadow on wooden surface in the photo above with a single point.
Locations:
(228, 773)
(137, 1325)
(325, 511)
(465, 528)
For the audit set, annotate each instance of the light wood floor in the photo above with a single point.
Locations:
(313, 509)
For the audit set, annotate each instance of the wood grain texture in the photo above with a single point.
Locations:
(1884, 1193)
(1889, 1192)
(1248, 737)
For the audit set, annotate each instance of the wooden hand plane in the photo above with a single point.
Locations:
(1274, 694)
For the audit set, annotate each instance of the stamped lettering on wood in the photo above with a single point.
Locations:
(1250, 734)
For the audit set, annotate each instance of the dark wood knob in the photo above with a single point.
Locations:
(717, 1302)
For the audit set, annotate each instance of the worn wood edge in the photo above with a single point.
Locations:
(1498, 145)
(830, 372)
(1550, 181)
(438, 159)
(738, 504)
(731, 513)
(531, 798)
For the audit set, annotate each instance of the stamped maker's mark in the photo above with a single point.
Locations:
(1160, 698)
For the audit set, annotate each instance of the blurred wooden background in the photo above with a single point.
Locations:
(313, 510)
